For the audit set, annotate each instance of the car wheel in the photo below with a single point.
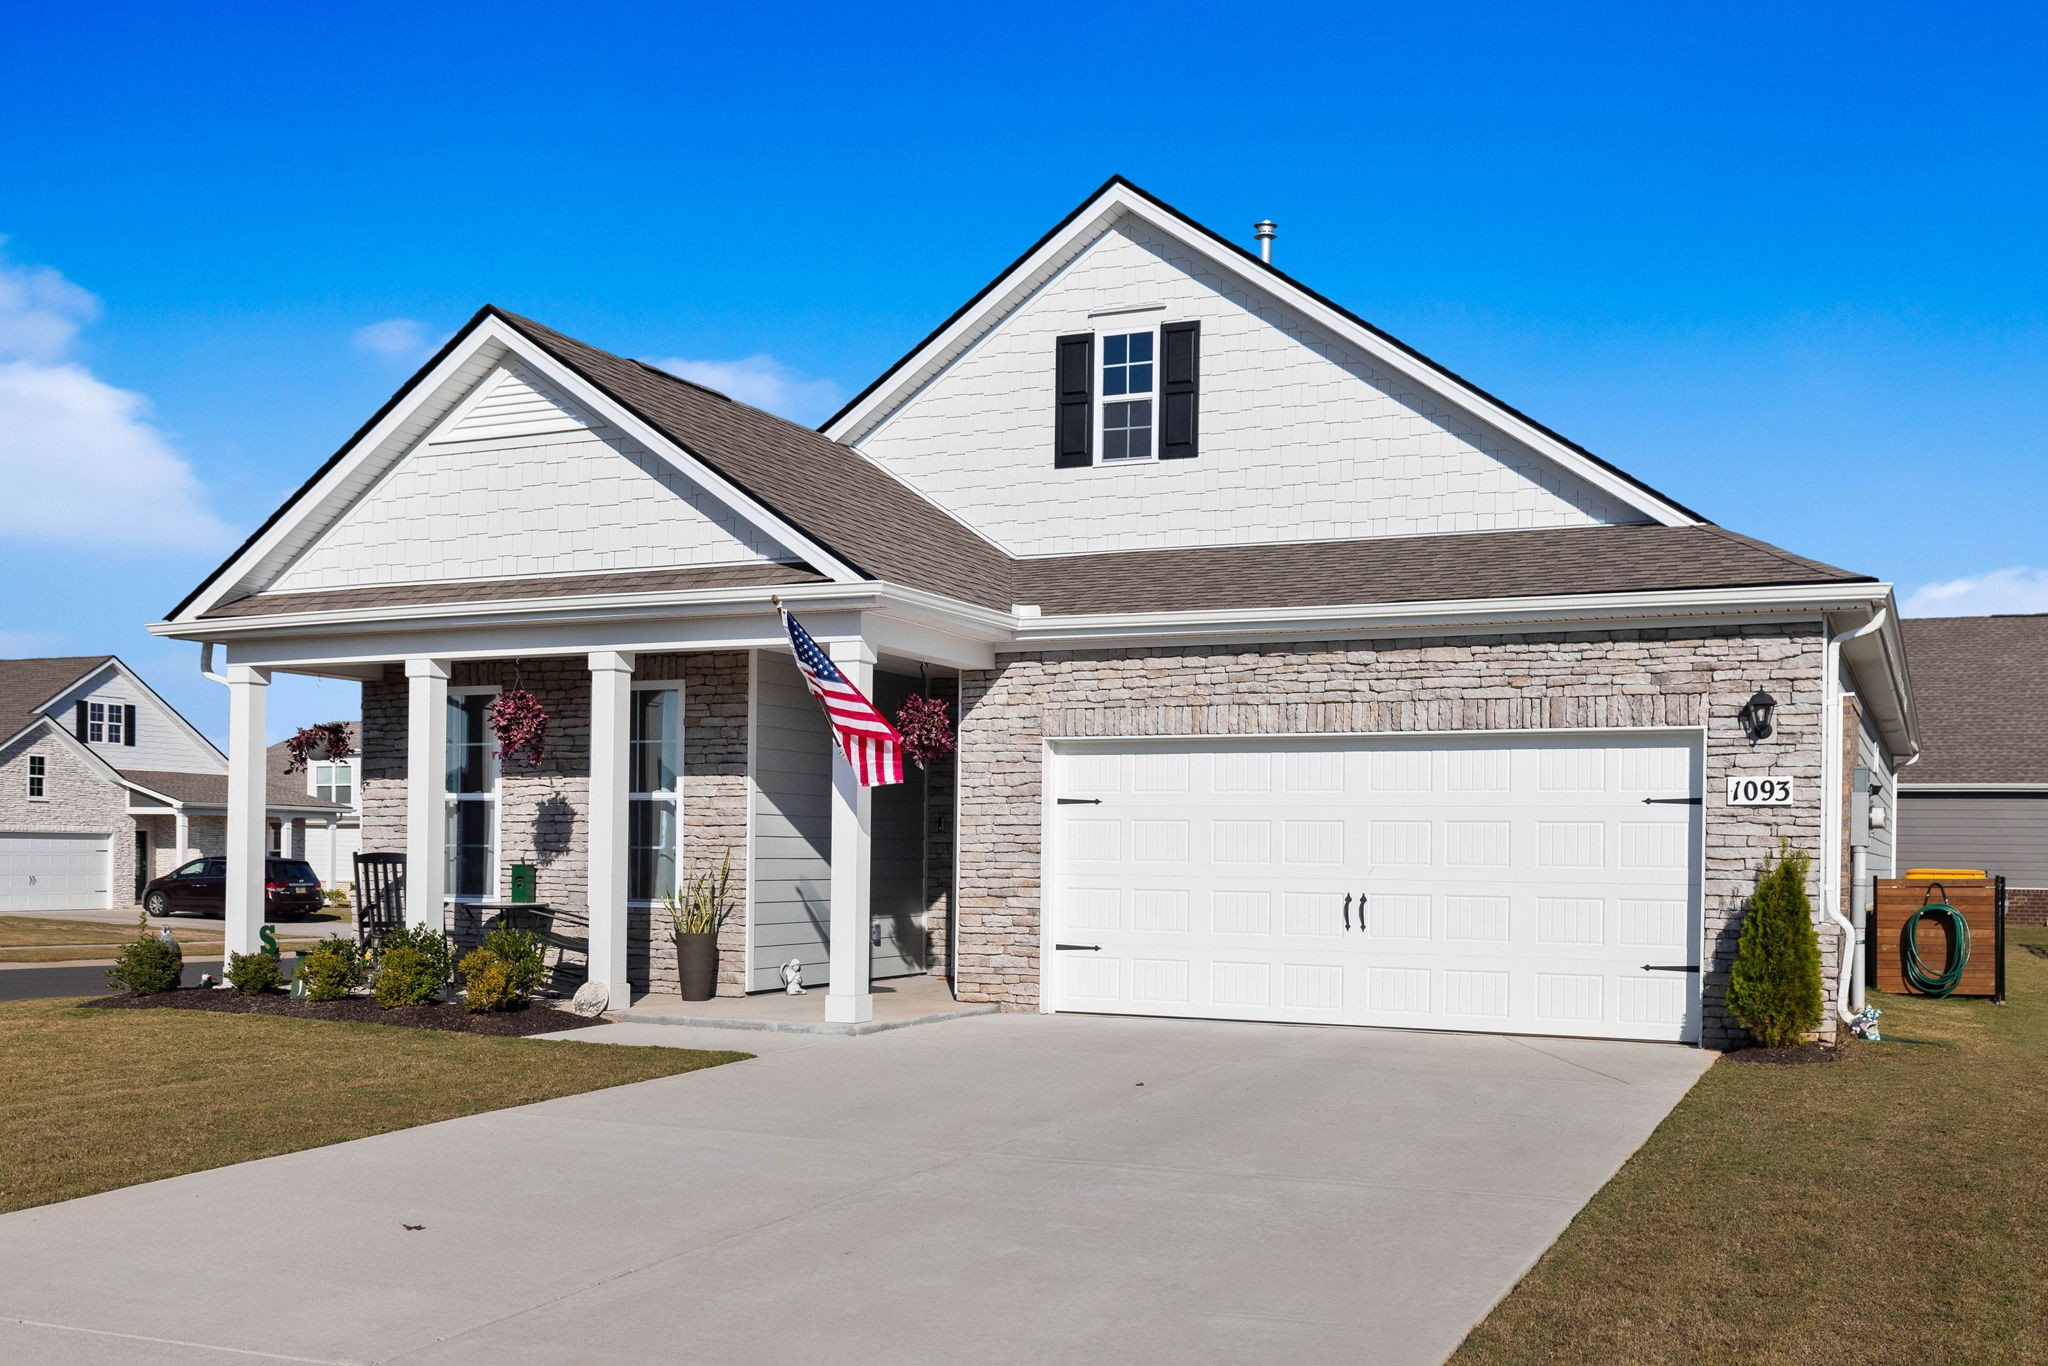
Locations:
(157, 904)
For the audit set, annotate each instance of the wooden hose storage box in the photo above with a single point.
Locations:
(1981, 901)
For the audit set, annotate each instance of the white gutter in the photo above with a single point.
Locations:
(1834, 740)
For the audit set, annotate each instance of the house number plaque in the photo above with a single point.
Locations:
(1759, 789)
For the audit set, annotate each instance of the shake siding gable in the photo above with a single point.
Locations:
(521, 483)
(1301, 438)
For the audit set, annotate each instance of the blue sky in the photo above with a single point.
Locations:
(1784, 263)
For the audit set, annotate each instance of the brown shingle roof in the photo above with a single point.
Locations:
(885, 530)
(25, 684)
(1980, 691)
(211, 789)
(1496, 564)
(506, 590)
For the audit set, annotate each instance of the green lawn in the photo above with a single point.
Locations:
(95, 1099)
(1891, 1207)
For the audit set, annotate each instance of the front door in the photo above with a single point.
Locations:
(141, 862)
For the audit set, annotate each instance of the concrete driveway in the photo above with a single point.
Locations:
(995, 1189)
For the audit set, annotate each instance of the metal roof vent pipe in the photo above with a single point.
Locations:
(1265, 230)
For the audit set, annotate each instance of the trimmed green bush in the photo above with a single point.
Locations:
(147, 966)
(427, 941)
(252, 974)
(489, 983)
(521, 951)
(1775, 989)
(407, 977)
(331, 969)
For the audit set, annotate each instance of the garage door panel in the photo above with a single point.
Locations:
(55, 872)
(1526, 884)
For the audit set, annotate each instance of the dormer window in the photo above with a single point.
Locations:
(105, 723)
(1131, 395)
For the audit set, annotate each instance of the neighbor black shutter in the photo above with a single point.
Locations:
(1180, 368)
(1074, 419)
(81, 721)
(128, 725)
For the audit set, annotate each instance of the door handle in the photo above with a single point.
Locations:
(1361, 912)
(1671, 967)
(875, 933)
(1091, 948)
(1347, 910)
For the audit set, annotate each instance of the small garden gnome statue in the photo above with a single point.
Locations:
(793, 977)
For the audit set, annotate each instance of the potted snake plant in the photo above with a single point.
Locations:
(695, 916)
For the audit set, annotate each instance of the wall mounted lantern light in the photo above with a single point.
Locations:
(1756, 715)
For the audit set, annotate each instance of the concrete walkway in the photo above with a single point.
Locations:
(995, 1189)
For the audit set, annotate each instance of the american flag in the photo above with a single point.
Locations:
(869, 742)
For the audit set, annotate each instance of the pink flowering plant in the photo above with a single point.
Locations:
(926, 727)
(328, 740)
(521, 724)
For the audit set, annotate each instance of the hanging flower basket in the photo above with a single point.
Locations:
(328, 740)
(926, 727)
(521, 724)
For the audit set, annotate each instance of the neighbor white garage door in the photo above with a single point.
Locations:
(1539, 884)
(55, 872)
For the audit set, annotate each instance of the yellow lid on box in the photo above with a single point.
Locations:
(1924, 873)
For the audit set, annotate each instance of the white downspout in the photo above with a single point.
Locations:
(1845, 988)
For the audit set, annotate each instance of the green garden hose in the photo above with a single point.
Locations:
(1951, 975)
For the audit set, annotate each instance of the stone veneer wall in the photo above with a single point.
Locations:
(543, 812)
(1688, 677)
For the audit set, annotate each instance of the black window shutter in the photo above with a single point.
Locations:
(128, 725)
(1180, 369)
(1074, 418)
(81, 721)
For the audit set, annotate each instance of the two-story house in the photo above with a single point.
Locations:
(328, 841)
(103, 786)
(1297, 677)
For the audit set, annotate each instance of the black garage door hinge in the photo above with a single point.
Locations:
(1671, 967)
(1673, 801)
(1078, 801)
(1092, 948)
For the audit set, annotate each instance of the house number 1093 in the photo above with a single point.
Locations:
(1763, 789)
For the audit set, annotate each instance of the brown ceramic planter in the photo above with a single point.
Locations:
(697, 965)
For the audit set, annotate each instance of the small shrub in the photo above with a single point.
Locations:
(407, 977)
(252, 974)
(521, 951)
(427, 941)
(489, 981)
(335, 896)
(147, 966)
(331, 969)
(1775, 988)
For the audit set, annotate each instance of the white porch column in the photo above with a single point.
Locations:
(847, 998)
(611, 721)
(426, 791)
(183, 837)
(248, 788)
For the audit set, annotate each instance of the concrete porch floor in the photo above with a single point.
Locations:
(899, 1003)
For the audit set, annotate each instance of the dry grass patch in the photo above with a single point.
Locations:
(1886, 1208)
(95, 1099)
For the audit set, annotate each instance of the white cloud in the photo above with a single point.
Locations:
(765, 382)
(2016, 588)
(393, 339)
(80, 460)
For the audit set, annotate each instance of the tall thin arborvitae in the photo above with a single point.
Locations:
(1775, 989)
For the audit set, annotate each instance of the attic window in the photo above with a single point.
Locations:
(1127, 371)
(38, 773)
(103, 723)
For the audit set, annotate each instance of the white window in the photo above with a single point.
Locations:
(472, 797)
(335, 782)
(1128, 387)
(653, 763)
(38, 774)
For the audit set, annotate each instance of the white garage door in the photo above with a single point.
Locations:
(1535, 884)
(55, 872)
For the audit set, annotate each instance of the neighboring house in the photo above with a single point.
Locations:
(1978, 797)
(331, 841)
(103, 786)
(1297, 678)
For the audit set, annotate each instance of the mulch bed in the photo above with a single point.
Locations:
(1798, 1055)
(534, 1019)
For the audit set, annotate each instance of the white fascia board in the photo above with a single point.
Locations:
(1099, 215)
(1579, 610)
(1878, 661)
(494, 333)
(1974, 789)
(727, 492)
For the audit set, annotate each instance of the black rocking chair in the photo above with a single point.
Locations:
(380, 896)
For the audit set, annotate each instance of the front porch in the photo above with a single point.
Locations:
(658, 763)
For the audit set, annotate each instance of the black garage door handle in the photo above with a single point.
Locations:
(1091, 948)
